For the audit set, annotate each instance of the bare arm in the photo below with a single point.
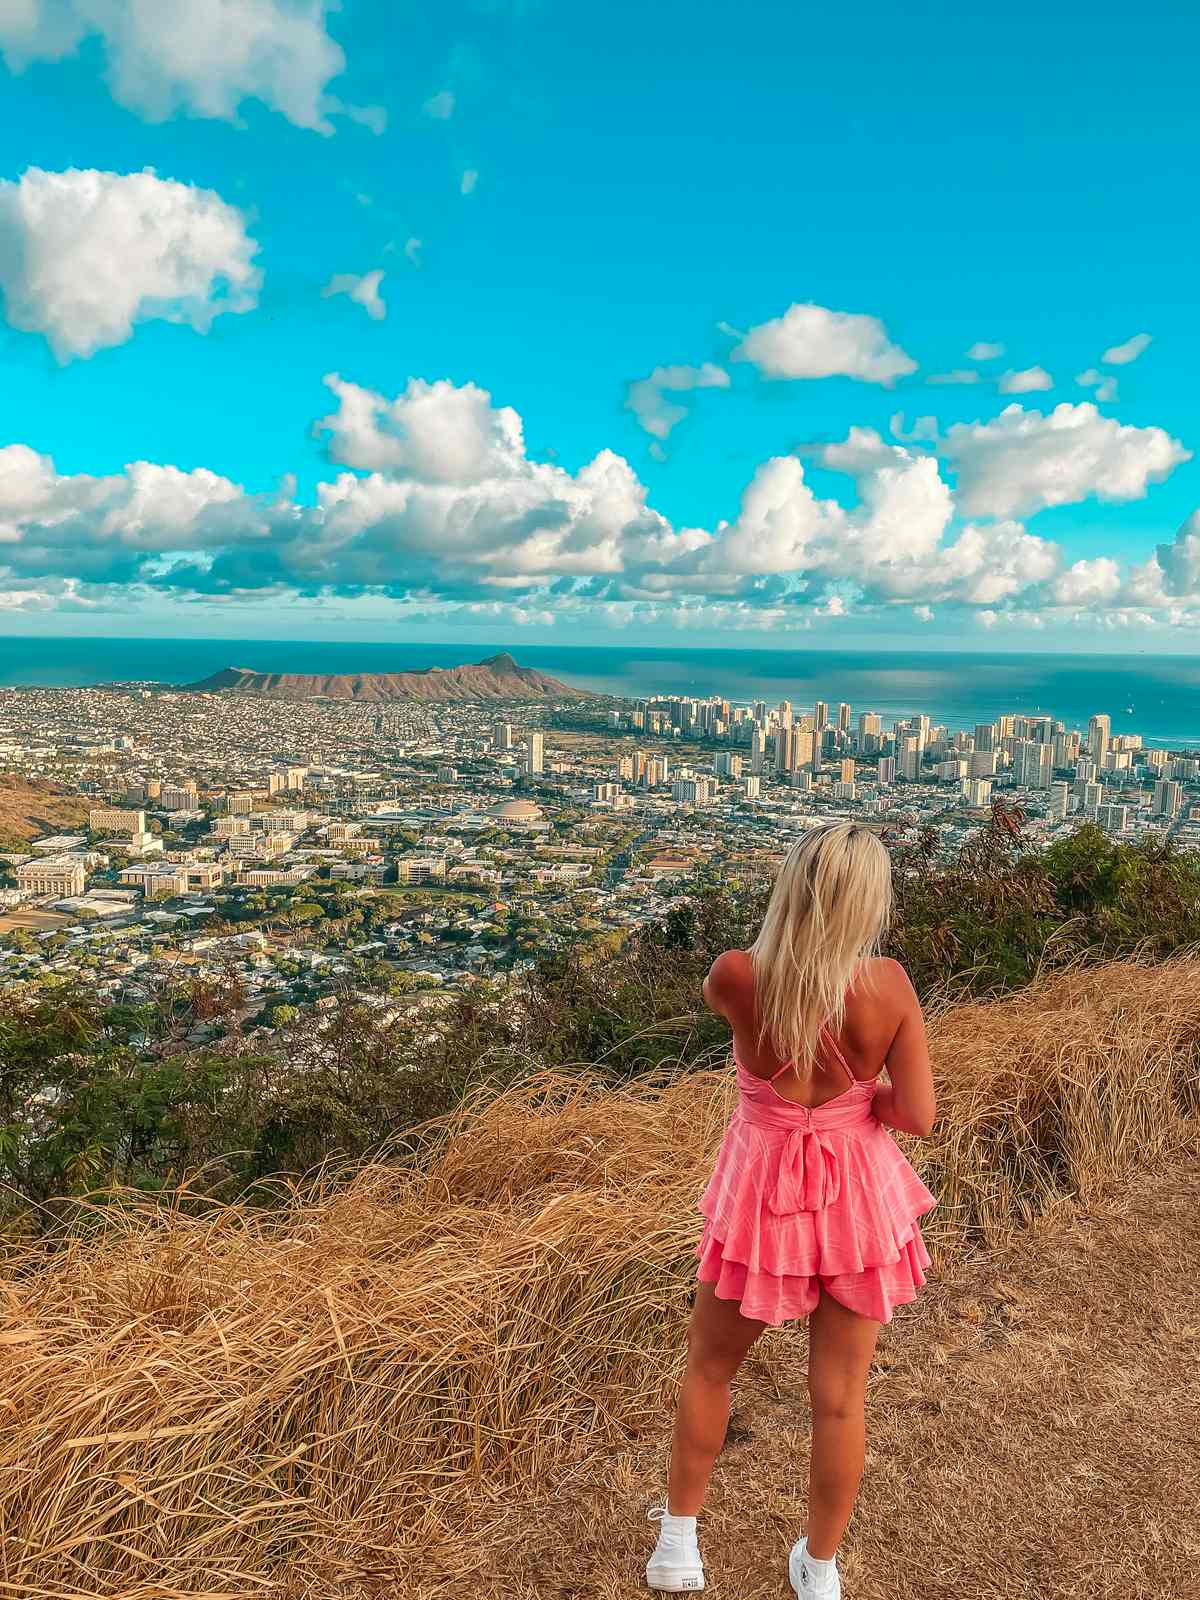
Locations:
(724, 989)
(907, 1102)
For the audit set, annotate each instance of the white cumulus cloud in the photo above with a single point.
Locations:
(435, 505)
(1088, 582)
(655, 413)
(364, 290)
(1120, 355)
(440, 106)
(1023, 382)
(468, 181)
(205, 57)
(981, 350)
(1023, 461)
(435, 432)
(954, 376)
(1104, 384)
(85, 255)
(1178, 563)
(809, 341)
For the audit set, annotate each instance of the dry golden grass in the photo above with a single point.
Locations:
(32, 806)
(387, 1383)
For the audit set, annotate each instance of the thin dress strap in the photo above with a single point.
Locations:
(842, 1062)
(832, 1043)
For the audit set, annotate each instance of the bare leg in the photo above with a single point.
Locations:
(840, 1347)
(718, 1339)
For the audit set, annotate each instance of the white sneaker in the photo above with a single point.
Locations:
(675, 1567)
(803, 1581)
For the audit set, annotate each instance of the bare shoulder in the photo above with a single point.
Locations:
(730, 979)
(733, 969)
(888, 977)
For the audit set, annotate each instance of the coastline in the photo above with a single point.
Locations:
(1157, 696)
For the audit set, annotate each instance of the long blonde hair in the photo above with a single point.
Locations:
(826, 916)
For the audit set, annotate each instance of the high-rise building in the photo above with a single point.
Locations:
(847, 771)
(180, 797)
(887, 771)
(1060, 796)
(783, 713)
(535, 759)
(1032, 764)
(751, 786)
(977, 792)
(1168, 798)
(760, 713)
(1099, 731)
(793, 749)
(982, 764)
(727, 765)
(820, 716)
(757, 750)
(502, 736)
(909, 757)
(691, 791)
(869, 727)
(1113, 819)
(843, 721)
(985, 736)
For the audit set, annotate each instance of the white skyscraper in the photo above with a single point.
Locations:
(1032, 766)
(1168, 798)
(1099, 731)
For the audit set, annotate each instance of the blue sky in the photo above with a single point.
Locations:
(563, 204)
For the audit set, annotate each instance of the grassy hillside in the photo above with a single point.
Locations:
(30, 807)
(424, 1375)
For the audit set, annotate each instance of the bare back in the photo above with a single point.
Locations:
(883, 1026)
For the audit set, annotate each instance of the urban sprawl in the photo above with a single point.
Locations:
(322, 847)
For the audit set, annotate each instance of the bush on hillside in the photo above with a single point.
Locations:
(92, 1096)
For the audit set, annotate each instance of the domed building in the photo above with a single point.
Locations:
(518, 814)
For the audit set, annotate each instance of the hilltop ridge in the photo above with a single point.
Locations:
(497, 677)
(543, 1247)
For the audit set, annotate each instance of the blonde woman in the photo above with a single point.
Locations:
(812, 1210)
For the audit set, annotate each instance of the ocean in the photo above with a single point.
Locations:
(1156, 696)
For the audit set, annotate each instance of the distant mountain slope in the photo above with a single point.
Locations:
(497, 678)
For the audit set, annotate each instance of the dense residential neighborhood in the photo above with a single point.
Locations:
(306, 847)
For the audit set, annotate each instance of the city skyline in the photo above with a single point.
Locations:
(156, 824)
(449, 327)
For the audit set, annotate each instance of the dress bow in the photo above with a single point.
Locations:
(809, 1174)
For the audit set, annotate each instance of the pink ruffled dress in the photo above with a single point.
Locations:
(808, 1198)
